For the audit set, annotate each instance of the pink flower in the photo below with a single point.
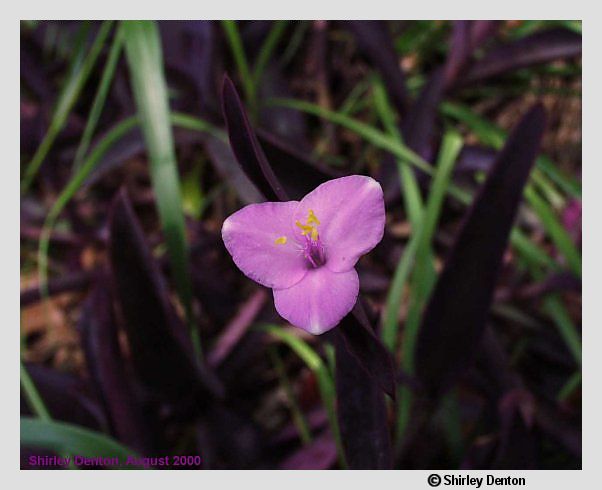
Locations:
(306, 251)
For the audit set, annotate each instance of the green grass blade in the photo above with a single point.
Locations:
(409, 185)
(66, 101)
(570, 386)
(296, 413)
(64, 438)
(494, 136)
(320, 370)
(267, 49)
(374, 136)
(424, 275)
(192, 123)
(143, 50)
(554, 307)
(394, 296)
(74, 184)
(242, 64)
(120, 130)
(100, 98)
(34, 400)
(557, 232)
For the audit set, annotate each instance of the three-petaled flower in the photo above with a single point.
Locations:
(306, 250)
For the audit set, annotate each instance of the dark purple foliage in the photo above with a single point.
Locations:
(108, 371)
(374, 40)
(247, 149)
(457, 311)
(537, 48)
(162, 360)
(140, 383)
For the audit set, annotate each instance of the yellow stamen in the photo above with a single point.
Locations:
(311, 226)
(312, 218)
(305, 229)
(280, 241)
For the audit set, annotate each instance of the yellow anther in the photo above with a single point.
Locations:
(314, 234)
(312, 218)
(305, 229)
(280, 240)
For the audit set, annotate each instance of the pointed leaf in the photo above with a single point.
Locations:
(298, 174)
(156, 336)
(361, 410)
(108, 372)
(359, 339)
(246, 147)
(456, 314)
(538, 48)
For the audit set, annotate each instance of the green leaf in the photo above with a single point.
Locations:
(494, 136)
(34, 400)
(323, 375)
(110, 139)
(64, 438)
(69, 95)
(296, 412)
(143, 50)
(100, 98)
(242, 64)
(424, 275)
(409, 185)
(267, 49)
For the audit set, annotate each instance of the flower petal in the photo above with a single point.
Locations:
(319, 301)
(351, 211)
(261, 243)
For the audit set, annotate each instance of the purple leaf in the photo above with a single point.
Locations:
(374, 40)
(108, 372)
(358, 338)
(418, 127)
(361, 408)
(481, 30)
(161, 358)
(246, 147)
(457, 311)
(287, 173)
(537, 48)
(298, 173)
(475, 159)
(460, 50)
(467, 36)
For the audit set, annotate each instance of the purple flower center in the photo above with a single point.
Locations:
(313, 250)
